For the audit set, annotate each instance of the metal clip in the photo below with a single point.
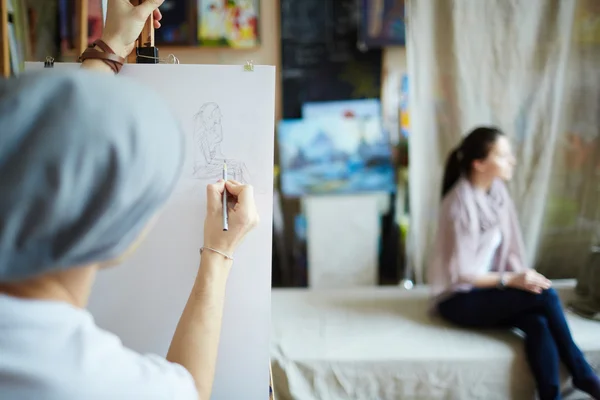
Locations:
(171, 59)
(49, 63)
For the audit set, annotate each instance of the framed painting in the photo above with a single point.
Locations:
(360, 108)
(382, 23)
(228, 23)
(334, 155)
(178, 25)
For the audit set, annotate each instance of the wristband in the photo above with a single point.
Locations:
(107, 55)
(502, 282)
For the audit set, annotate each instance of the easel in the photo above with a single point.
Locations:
(4, 45)
(81, 13)
(145, 53)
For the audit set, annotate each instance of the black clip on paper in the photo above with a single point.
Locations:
(49, 63)
(147, 55)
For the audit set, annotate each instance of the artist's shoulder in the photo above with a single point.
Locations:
(116, 371)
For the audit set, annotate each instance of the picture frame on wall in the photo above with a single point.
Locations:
(178, 25)
(382, 23)
(329, 155)
(228, 23)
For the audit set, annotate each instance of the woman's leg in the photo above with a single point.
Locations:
(496, 308)
(542, 354)
(583, 374)
(493, 308)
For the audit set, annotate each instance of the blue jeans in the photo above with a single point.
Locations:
(548, 339)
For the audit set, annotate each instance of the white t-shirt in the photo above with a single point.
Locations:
(53, 351)
(489, 253)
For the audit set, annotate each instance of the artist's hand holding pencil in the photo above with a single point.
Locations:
(241, 212)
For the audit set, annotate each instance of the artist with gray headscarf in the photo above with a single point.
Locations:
(84, 171)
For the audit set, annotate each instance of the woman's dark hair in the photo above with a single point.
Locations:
(475, 146)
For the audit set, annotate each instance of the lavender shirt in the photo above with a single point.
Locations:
(468, 226)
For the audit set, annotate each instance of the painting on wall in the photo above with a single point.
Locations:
(382, 23)
(177, 24)
(369, 108)
(334, 155)
(404, 114)
(228, 23)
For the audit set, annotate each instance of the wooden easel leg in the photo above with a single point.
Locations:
(81, 11)
(144, 52)
(4, 46)
(271, 389)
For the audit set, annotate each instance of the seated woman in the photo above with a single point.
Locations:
(85, 167)
(479, 275)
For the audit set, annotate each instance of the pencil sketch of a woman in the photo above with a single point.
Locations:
(208, 158)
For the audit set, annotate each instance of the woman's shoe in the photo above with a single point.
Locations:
(590, 386)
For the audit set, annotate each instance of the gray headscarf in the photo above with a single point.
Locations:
(86, 159)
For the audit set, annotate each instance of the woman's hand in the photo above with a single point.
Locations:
(530, 281)
(124, 23)
(242, 215)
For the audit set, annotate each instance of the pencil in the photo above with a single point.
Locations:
(225, 216)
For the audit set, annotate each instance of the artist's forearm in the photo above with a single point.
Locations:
(196, 338)
(99, 65)
(96, 65)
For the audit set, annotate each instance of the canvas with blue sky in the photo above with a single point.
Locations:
(361, 108)
(334, 155)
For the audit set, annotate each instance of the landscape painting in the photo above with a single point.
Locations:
(334, 155)
(362, 108)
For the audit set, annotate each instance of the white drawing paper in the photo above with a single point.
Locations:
(227, 113)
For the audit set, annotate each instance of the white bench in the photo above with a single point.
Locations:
(379, 343)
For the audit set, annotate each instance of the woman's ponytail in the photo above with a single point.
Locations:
(452, 171)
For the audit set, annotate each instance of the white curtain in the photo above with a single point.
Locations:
(532, 68)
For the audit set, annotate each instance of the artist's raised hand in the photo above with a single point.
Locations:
(531, 281)
(124, 23)
(243, 215)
